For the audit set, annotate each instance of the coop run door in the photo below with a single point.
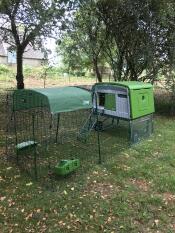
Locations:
(142, 102)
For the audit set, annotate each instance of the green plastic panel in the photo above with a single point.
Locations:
(131, 85)
(142, 102)
(110, 102)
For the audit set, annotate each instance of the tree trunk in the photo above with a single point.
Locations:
(133, 76)
(115, 74)
(98, 74)
(19, 76)
(120, 67)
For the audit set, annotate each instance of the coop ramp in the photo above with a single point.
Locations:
(87, 127)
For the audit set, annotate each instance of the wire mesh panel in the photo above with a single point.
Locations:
(141, 128)
(2, 121)
(38, 140)
(27, 135)
(66, 128)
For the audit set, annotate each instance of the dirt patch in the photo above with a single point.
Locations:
(32, 82)
(141, 184)
(169, 197)
(2, 151)
(104, 190)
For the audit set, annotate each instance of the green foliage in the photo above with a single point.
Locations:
(82, 46)
(4, 69)
(28, 70)
(74, 59)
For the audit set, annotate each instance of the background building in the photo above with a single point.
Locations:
(31, 57)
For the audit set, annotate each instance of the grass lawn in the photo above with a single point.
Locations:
(132, 191)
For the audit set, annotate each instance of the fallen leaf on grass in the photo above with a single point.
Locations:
(2, 198)
(65, 192)
(1, 179)
(156, 221)
(29, 184)
(29, 216)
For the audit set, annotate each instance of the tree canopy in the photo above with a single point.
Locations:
(136, 38)
(26, 22)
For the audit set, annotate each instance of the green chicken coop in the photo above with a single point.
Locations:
(131, 101)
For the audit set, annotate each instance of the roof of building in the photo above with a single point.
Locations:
(57, 100)
(29, 53)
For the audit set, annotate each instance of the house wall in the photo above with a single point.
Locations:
(32, 62)
(26, 61)
(3, 60)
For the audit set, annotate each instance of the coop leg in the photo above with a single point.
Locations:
(130, 131)
(35, 154)
(16, 138)
(35, 166)
(58, 123)
(112, 122)
(99, 147)
(98, 133)
(152, 125)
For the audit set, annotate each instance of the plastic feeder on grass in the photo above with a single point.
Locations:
(66, 167)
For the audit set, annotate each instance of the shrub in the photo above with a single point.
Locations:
(28, 70)
(4, 69)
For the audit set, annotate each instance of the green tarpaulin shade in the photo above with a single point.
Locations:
(57, 100)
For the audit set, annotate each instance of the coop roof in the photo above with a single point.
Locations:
(132, 85)
(57, 100)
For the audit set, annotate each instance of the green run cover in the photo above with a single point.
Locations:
(58, 99)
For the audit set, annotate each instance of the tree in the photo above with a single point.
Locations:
(137, 32)
(74, 57)
(125, 37)
(86, 36)
(25, 22)
(135, 37)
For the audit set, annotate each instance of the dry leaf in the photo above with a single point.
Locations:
(29, 184)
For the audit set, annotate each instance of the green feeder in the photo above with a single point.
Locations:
(65, 167)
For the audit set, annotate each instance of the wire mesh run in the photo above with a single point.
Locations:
(37, 140)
